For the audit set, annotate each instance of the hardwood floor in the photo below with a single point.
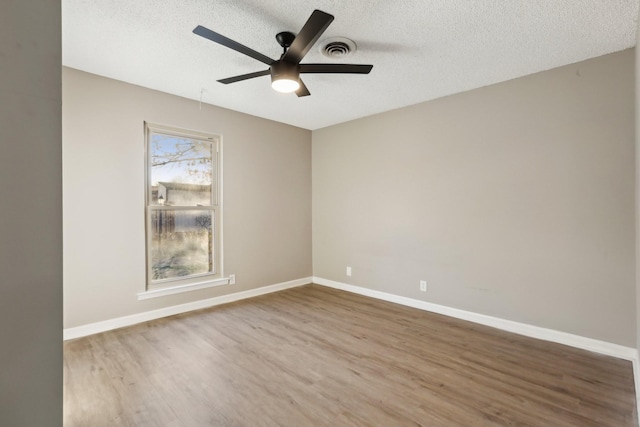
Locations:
(314, 356)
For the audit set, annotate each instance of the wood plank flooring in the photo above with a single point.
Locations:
(314, 356)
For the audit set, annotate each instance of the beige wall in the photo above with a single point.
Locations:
(267, 196)
(514, 200)
(31, 214)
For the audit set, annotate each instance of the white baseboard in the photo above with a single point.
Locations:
(565, 338)
(120, 322)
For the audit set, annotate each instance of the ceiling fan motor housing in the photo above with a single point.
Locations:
(284, 70)
(285, 76)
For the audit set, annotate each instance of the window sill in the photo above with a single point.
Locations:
(155, 293)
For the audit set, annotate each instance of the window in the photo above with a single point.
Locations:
(183, 214)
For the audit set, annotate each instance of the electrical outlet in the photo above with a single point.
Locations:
(423, 285)
(348, 271)
(232, 279)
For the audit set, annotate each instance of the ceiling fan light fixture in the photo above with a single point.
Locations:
(285, 84)
(285, 77)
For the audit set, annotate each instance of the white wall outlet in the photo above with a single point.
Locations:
(348, 271)
(423, 285)
(232, 279)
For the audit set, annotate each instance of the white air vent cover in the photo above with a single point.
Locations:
(337, 47)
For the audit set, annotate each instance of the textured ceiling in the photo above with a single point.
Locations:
(420, 49)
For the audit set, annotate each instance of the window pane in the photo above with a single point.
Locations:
(181, 243)
(181, 171)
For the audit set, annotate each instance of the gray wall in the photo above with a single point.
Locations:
(514, 200)
(267, 196)
(637, 181)
(31, 215)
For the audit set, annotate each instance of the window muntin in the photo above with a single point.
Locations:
(183, 213)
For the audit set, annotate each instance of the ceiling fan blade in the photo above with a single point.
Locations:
(335, 68)
(231, 44)
(302, 90)
(308, 35)
(244, 77)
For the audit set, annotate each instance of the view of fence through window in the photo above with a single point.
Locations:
(182, 203)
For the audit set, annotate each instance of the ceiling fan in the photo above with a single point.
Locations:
(285, 72)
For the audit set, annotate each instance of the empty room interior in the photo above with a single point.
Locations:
(289, 213)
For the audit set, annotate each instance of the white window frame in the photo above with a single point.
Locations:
(162, 287)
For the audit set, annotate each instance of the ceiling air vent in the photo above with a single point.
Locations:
(337, 47)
